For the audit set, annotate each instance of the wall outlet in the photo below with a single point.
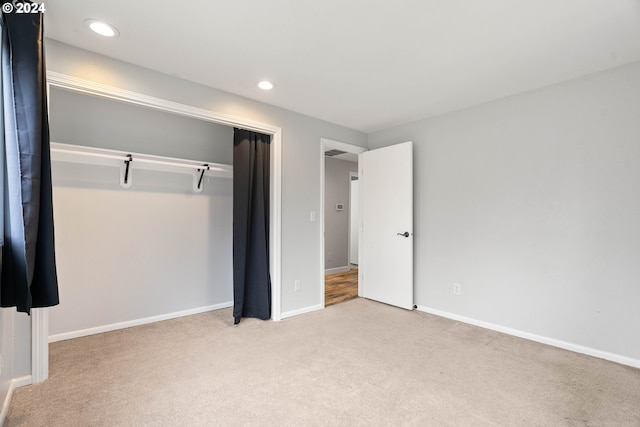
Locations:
(297, 285)
(457, 288)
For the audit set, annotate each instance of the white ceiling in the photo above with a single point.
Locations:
(365, 64)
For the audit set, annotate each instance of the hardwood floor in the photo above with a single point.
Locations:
(341, 287)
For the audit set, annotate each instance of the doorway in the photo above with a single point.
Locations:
(340, 222)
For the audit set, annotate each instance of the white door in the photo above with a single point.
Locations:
(386, 243)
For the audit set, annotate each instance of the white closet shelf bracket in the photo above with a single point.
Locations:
(202, 171)
(127, 161)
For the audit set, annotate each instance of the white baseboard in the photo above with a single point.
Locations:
(337, 270)
(22, 381)
(15, 383)
(301, 311)
(623, 360)
(135, 322)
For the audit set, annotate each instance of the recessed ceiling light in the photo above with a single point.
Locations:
(102, 28)
(265, 85)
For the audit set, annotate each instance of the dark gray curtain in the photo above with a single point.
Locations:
(28, 276)
(251, 280)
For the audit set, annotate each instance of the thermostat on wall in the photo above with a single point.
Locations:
(339, 207)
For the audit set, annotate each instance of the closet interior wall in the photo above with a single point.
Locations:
(154, 250)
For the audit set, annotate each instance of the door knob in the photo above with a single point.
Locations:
(405, 234)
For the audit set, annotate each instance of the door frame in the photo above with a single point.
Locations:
(327, 144)
(351, 175)
(40, 316)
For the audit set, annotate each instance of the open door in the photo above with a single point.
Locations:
(386, 244)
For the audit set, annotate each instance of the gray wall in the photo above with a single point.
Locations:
(15, 338)
(532, 203)
(149, 250)
(97, 122)
(336, 224)
(300, 153)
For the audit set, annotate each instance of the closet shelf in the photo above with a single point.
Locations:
(129, 161)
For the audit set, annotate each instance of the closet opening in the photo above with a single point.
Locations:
(174, 212)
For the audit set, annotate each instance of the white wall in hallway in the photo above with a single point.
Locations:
(336, 223)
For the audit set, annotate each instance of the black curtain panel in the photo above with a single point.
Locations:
(28, 276)
(251, 280)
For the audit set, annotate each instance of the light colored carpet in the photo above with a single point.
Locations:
(358, 363)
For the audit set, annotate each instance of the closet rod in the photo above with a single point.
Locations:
(87, 153)
(136, 159)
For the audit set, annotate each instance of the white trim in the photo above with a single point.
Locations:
(537, 338)
(22, 381)
(343, 146)
(302, 311)
(326, 144)
(351, 176)
(275, 226)
(321, 219)
(14, 384)
(39, 344)
(336, 270)
(136, 322)
(361, 280)
(88, 87)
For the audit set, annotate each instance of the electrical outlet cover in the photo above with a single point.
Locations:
(457, 288)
